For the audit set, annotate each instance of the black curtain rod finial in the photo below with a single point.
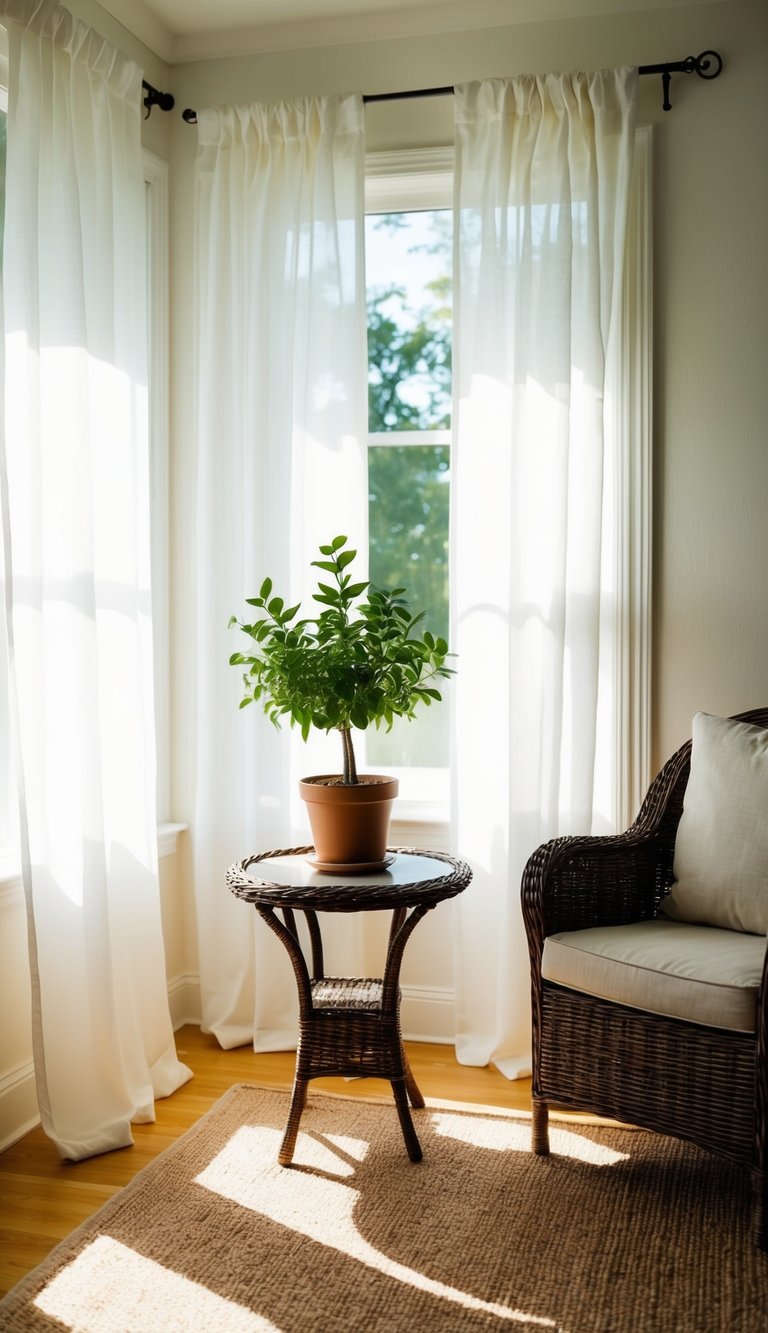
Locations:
(707, 65)
(165, 101)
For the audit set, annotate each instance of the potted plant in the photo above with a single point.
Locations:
(357, 662)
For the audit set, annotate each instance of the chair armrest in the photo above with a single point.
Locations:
(572, 883)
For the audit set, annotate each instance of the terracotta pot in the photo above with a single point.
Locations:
(350, 825)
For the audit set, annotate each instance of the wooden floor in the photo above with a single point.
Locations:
(42, 1199)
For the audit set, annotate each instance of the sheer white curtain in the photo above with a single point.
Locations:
(543, 172)
(281, 468)
(74, 473)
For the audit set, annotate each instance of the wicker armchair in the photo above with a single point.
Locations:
(703, 1084)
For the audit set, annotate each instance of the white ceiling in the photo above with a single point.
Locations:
(182, 30)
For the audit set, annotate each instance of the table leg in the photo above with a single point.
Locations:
(412, 1145)
(411, 1086)
(298, 1102)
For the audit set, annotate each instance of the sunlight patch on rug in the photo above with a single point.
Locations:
(507, 1136)
(320, 1206)
(111, 1289)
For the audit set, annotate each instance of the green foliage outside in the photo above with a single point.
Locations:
(408, 518)
(409, 347)
(409, 388)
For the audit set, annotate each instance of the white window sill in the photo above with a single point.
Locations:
(10, 870)
(420, 812)
(168, 837)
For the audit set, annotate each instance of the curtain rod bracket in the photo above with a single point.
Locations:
(165, 101)
(707, 65)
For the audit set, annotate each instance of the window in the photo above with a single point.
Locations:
(409, 243)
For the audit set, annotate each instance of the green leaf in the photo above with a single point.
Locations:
(245, 702)
(339, 667)
(359, 715)
(232, 621)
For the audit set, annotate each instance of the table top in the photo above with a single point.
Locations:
(287, 878)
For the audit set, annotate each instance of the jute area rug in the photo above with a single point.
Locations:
(619, 1231)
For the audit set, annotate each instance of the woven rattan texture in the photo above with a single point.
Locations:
(609, 1057)
(707, 1086)
(347, 993)
(350, 1042)
(343, 894)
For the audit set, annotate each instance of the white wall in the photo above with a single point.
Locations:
(710, 335)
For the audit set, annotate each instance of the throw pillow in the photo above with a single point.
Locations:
(721, 850)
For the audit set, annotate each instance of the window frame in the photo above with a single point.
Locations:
(408, 181)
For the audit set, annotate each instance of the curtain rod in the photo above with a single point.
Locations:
(707, 65)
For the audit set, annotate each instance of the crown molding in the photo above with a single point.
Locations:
(136, 17)
(298, 34)
(191, 34)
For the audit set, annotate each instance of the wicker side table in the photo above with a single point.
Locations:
(348, 1025)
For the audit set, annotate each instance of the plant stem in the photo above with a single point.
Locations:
(350, 767)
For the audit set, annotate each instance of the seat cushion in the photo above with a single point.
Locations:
(721, 848)
(697, 973)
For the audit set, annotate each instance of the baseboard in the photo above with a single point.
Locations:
(184, 1000)
(427, 1013)
(18, 1105)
